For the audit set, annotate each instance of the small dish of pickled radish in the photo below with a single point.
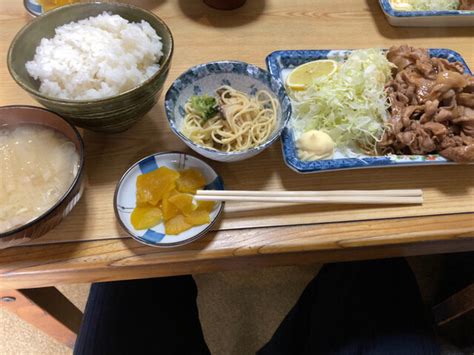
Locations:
(154, 199)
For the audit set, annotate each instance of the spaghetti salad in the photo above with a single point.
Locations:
(234, 121)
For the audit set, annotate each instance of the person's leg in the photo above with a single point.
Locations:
(142, 317)
(369, 307)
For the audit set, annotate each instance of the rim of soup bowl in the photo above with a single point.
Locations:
(71, 187)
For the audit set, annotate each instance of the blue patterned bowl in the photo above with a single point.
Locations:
(205, 79)
(125, 198)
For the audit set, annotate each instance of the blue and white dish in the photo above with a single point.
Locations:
(280, 63)
(125, 198)
(448, 18)
(205, 79)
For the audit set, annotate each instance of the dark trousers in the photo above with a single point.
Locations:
(368, 307)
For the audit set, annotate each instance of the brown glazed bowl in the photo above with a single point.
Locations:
(225, 4)
(111, 114)
(17, 115)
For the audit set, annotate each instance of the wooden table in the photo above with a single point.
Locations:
(89, 245)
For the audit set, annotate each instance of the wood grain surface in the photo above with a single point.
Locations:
(120, 259)
(250, 33)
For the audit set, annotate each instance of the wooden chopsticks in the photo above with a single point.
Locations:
(411, 196)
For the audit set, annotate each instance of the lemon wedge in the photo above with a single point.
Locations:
(302, 76)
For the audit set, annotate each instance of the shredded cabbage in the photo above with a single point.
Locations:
(425, 5)
(350, 105)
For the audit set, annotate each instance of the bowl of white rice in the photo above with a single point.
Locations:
(101, 66)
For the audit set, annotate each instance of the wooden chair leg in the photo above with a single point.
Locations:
(46, 309)
(455, 306)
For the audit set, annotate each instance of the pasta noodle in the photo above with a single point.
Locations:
(240, 121)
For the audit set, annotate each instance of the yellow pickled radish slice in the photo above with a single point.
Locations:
(153, 185)
(169, 210)
(189, 181)
(198, 217)
(183, 202)
(176, 225)
(145, 217)
(205, 205)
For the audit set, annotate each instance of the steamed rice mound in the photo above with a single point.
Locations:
(96, 57)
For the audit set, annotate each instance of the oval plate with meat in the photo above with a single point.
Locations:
(445, 125)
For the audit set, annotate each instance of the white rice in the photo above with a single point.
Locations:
(96, 57)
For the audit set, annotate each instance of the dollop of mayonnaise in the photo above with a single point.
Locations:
(315, 145)
(401, 5)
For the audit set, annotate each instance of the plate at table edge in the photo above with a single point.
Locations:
(125, 198)
(439, 18)
(288, 59)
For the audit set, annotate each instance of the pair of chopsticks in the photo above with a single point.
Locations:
(376, 197)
